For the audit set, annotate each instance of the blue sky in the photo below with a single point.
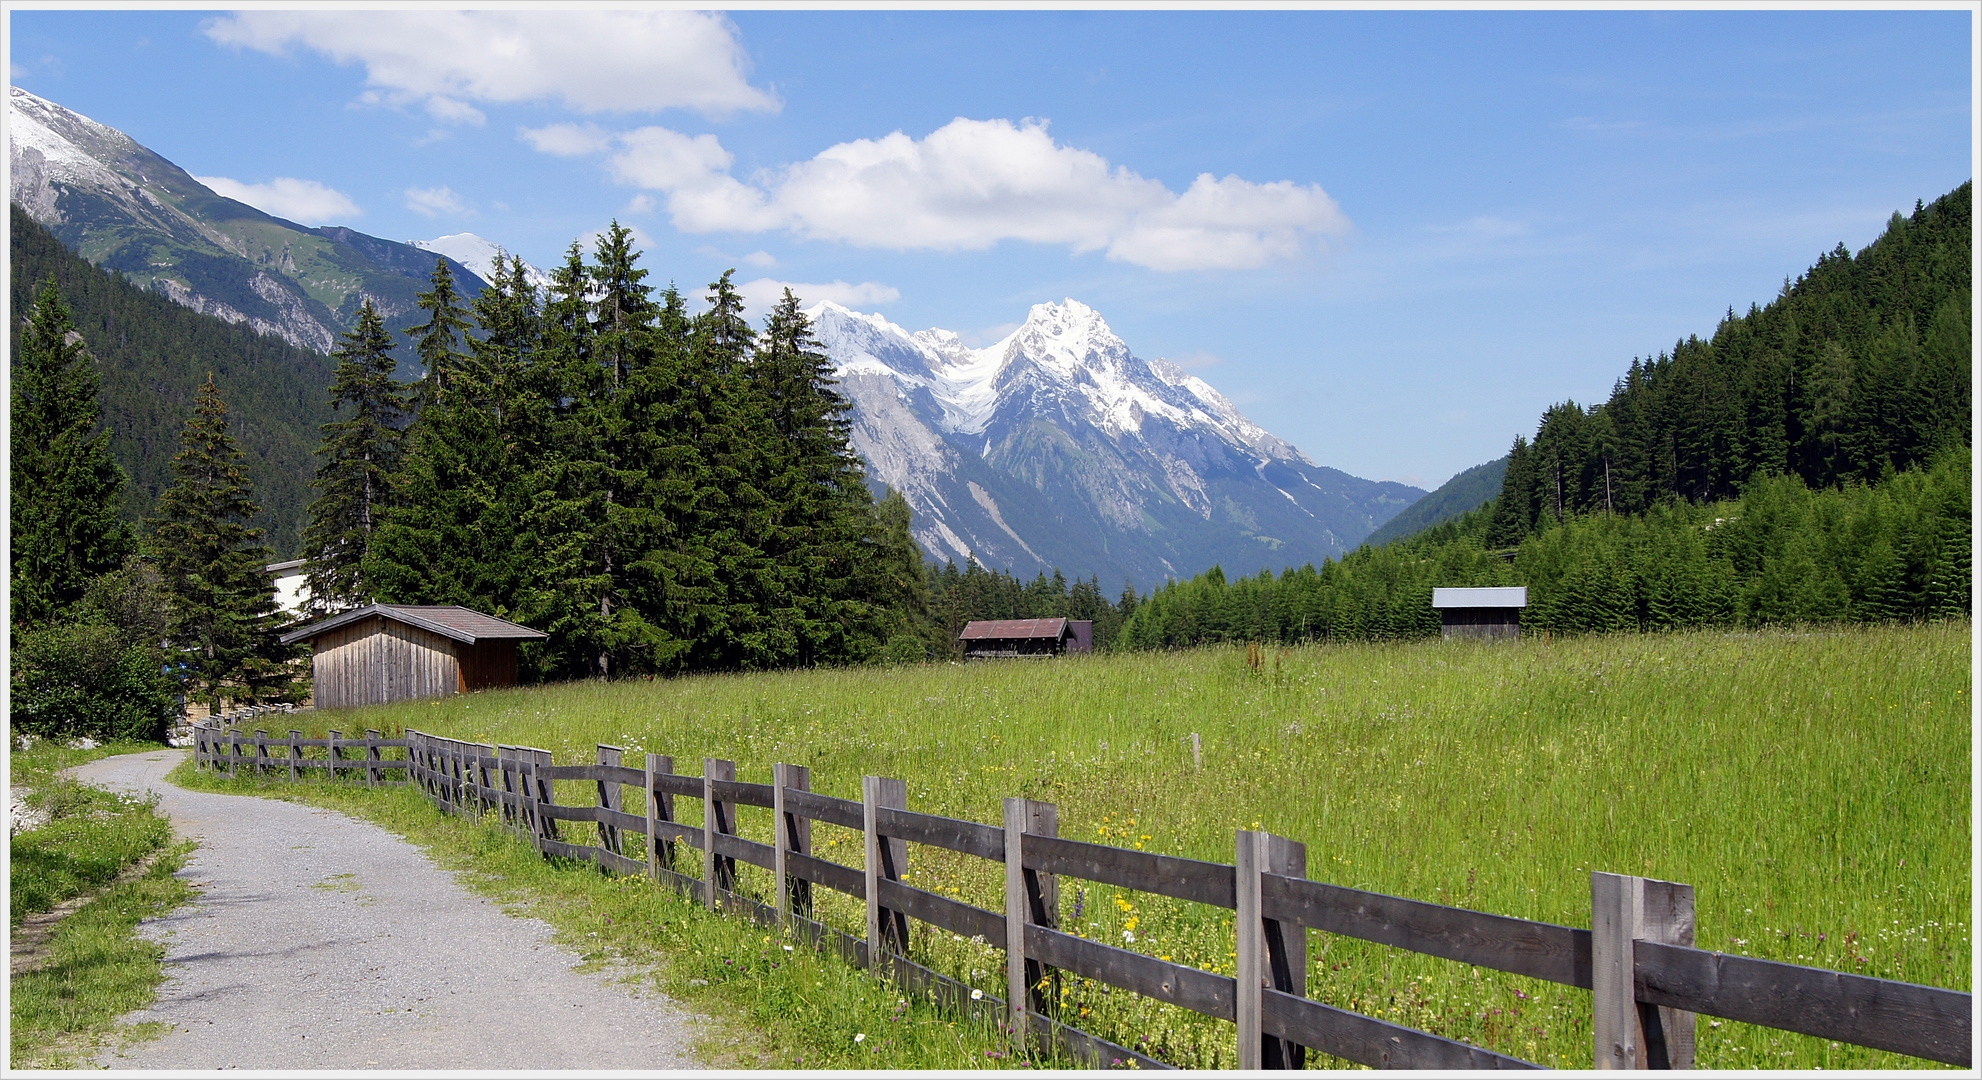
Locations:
(1393, 237)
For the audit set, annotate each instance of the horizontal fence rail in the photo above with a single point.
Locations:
(1648, 983)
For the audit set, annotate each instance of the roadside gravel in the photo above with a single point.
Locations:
(323, 942)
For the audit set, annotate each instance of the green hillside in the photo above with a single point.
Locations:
(1808, 463)
(152, 354)
(1465, 492)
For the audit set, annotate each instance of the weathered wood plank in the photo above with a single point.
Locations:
(1559, 954)
(811, 804)
(735, 791)
(842, 879)
(1369, 1041)
(750, 851)
(718, 871)
(941, 911)
(1905, 1018)
(1178, 984)
(603, 773)
(790, 832)
(968, 837)
(1143, 871)
(886, 857)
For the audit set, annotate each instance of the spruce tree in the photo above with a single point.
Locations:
(65, 484)
(214, 566)
(360, 455)
(438, 340)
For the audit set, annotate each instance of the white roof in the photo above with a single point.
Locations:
(1505, 597)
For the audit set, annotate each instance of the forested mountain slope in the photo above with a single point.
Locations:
(1462, 494)
(1860, 368)
(1808, 463)
(152, 354)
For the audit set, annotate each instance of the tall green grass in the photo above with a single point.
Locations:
(1814, 788)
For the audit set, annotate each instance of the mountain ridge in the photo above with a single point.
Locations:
(1159, 470)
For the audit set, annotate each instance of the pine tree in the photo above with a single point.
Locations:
(360, 455)
(224, 615)
(438, 340)
(65, 484)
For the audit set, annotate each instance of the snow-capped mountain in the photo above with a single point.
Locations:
(1059, 447)
(125, 208)
(480, 255)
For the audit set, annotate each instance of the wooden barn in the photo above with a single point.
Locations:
(1489, 614)
(402, 652)
(1023, 639)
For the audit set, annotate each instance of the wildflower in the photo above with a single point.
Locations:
(977, 995)
(787, 948)
(860, 1037)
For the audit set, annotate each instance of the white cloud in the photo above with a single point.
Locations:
(435, 201)
(967, 186)
(763, 294)
(764, 259)
(304, 201)
(449, 111)
(567, 140)
(591, 60)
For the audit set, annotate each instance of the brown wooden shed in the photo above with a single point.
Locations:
(1015, 639)
(402, 652)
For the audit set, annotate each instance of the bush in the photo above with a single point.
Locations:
(89, 679)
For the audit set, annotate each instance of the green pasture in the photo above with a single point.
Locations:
(1814, 788)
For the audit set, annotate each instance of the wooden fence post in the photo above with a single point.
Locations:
(718, 871)
(372, 757)
(545, 795)
(1030, 897)
(794, 833)
(485, 785)
(609, 798)
(336, 753)
(261, 753)
(886, 857)
(1270, 953)
(660, 807)
(233, 753)
(1623, 910)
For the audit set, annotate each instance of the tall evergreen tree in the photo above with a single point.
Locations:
(360, 455)
(65, 486)
(214, 566)
(438, 340)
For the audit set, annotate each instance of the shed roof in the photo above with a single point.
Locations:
(449, 621)
(1512, 596)
(1013, 629)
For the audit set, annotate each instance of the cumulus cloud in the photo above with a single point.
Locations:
(567, 140)
(590, 60)
(303, 201)
(763, 294)
(967, 186)
(435, 201)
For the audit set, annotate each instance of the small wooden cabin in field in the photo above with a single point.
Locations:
(1024, 639)
(402, 652)
(1480, 613)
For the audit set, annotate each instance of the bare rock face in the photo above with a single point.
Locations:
(125, 208)
(1058, 447)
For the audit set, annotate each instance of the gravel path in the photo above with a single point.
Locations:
(323, 942)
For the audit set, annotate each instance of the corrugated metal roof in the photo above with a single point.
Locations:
(1013, 629)
(450, 621)
(1504, 597)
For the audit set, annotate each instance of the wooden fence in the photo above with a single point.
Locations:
(1647, 981)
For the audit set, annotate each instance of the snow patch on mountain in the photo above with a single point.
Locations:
(480, 255)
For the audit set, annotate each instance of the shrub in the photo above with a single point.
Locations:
(90, 679)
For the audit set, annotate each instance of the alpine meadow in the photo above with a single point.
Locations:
(1004, 696)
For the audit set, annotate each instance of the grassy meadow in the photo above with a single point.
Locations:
(1814, 788)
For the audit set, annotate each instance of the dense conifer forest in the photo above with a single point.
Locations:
(1809, 462)
(152, 355)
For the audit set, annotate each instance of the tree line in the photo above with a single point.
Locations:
(1808, 463)
(660, 490)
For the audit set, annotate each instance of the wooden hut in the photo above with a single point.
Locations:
(1015, 639)
(1490, 614)
(402, 652)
